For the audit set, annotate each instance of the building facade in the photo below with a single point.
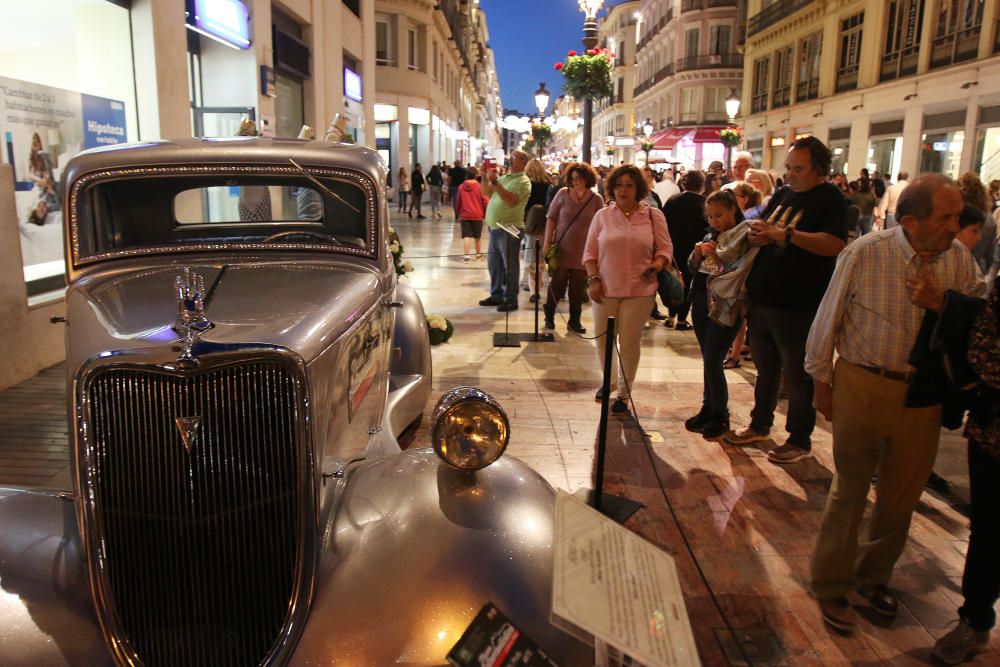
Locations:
(614, 122)
(687, 64)
(104, 72)
(897, 85)
(437, 96)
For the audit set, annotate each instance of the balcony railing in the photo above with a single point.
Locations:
(718, 61)
(660, 75)
(847, 78)
(774, 13)
(955, 47)
(654, 30)
(899, 63)
(697, 5)
(807, 90)
(781, 97)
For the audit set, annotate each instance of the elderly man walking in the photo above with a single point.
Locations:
(742, 160)
(507, 197)
(870, 315)
(803, 229)
(886, 209)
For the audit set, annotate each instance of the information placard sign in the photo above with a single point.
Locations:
(617, 586)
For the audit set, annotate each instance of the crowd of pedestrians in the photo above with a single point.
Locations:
(866, 301)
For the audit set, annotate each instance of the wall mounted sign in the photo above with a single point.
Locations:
(226, 21)
(352, 84)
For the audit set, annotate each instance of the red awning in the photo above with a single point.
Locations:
(707, 135)
(667, 139)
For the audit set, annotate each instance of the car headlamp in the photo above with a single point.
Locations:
(470, 429)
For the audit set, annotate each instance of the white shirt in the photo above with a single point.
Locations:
(666, 189)
(888, 202)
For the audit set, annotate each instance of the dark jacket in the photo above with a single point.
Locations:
(686, 222)
(417, 182)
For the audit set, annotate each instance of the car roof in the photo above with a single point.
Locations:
(228, 150)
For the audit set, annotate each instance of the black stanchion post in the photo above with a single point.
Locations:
(538, 337)
(614, 507)
(505, 339)
(602, 429)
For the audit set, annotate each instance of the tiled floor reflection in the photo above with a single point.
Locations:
(749, 523)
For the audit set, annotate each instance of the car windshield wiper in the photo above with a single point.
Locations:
(319, 184)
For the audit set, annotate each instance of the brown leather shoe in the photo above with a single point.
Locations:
(879, 599)
(838, 614)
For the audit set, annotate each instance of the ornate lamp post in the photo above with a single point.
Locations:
(541, 99)
(589, 9)
(647, 145)
(732, 109)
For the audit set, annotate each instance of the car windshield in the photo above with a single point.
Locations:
(169, 213)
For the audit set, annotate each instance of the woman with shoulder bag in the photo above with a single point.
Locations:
(568, 222)
(627, 246)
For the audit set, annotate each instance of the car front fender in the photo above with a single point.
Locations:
(417, 547)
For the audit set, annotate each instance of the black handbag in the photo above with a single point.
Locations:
(669, 280)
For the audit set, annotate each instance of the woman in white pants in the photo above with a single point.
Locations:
(628, 244)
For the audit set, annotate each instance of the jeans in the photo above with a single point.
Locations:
(890, 220)
(503, 263)
(981, 579)
(714, 341)
(453, 195)
(864, 225)
(435, 197)
(681, 311)
(779, 348)
(403, 195)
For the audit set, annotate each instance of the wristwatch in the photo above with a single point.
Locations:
(593, 278)
(789, 232)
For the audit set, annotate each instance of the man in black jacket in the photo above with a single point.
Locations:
(456, 176)
(688, 225)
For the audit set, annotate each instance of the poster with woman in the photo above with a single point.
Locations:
(42, 128)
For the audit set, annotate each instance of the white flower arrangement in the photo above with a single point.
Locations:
(439, 329)
(407, 267)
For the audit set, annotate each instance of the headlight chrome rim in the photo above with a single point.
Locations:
(470, 429)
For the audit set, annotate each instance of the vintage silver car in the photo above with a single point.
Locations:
(241, 360)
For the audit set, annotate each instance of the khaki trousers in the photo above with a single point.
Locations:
(630, 315)
(871, 430)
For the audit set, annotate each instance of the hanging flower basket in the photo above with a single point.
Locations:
(439, 328)
(609, 151)
(648, 146)
(587, 75)
(731, 136)
(541, 133)
(529, 146)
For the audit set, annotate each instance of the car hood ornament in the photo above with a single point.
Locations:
(191, 320)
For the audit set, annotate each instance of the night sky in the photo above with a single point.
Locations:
(528, 37)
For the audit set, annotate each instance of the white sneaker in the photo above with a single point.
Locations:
(467, 259)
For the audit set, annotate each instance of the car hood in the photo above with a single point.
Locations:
(293, 304)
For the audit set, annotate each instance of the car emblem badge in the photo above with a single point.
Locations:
(188, 427)
(191, 320)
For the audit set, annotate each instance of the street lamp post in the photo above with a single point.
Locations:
(589, 9)
(732, 108)
(541, 99)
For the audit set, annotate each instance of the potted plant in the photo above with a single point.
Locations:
(730, 137)
(439, 328)
(587, 75)
(396, 248)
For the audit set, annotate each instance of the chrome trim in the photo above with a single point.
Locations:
(360, 179)
(213, 358)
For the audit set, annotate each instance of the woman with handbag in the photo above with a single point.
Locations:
(627, 246)
(566, 228)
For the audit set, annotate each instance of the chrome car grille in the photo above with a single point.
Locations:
(198, 544)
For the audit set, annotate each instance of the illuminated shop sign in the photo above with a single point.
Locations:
(352, 84)
(225, 21)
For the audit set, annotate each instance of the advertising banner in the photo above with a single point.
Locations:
(42, 128)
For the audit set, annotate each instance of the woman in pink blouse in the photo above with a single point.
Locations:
(627, 245)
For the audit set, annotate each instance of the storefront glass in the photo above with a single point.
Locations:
(940, 152)
(884, 155)
(67, 84)
(988, 153)
(840, 150)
